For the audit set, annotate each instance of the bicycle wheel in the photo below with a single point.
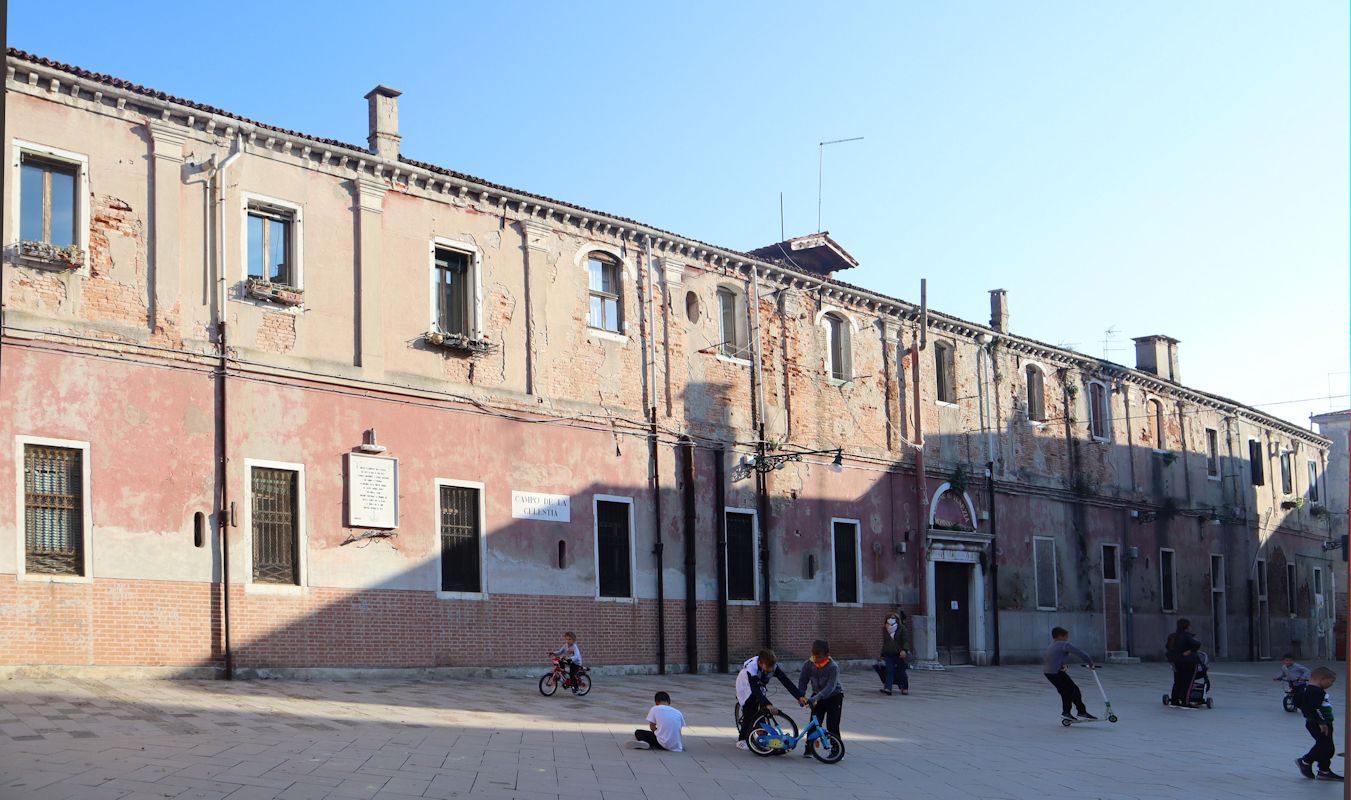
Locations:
(583, 684)
(736, 715)
(547, 684)
(764, 740)
(781, 721)
(1288, 703)
(828, 749)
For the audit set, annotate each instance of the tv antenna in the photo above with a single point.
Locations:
(821, 171)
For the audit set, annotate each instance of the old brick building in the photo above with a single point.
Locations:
(278, 401)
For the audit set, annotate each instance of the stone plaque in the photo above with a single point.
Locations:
(546, 507)
(372, 491)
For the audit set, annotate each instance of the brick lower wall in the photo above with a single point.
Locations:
(112, 622)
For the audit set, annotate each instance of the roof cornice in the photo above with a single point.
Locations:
(329, 155)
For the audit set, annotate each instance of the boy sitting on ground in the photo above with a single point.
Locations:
(664, 722)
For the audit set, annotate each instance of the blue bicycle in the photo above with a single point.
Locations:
(767, 739)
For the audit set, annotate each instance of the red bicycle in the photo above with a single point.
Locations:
(561, 675)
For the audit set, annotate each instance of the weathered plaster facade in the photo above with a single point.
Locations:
(153, 355)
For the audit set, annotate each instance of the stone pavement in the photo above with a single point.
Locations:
(962, 733)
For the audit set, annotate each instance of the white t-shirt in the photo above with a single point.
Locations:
(669, 721)
(743, 679)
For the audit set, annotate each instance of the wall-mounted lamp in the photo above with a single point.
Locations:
(769, 462)
(368, 443)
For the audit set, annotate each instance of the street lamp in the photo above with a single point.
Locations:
(765, 463)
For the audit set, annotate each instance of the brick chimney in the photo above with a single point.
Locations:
(384, 122)
(999, 310)
(1158, 354)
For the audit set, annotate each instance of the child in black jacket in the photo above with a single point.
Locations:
(1317, 708)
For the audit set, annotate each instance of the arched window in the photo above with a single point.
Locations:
(732, 323)
(1036, 394)
(606, 292)
(837, 347)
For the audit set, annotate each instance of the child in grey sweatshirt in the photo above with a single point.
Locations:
(1055, 666)
(821, 675)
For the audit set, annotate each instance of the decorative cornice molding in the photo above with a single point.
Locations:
(371, 195)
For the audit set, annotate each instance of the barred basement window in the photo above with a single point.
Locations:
(53, 485)
(461, 539)
(845, 537)
(612, 549)
(740, 555)
(1043, 556)
(274, 515)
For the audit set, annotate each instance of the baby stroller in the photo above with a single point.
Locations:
(1198, 691)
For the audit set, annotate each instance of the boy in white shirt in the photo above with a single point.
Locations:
(664, 723)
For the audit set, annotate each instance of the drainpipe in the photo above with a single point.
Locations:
(918, 343)
(720, 503)
(691, 535)
(994, 560)
(761, 479)
(649, 328)
(224, 507)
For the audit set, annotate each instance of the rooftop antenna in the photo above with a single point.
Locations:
(821, 171)
(1107, 341)
(782, 238)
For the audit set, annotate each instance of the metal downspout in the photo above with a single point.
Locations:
(225, 508)
(649, 328)
(994, 561)
(691, 556)
(720, 503)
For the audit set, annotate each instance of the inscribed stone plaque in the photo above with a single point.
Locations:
(372, 491)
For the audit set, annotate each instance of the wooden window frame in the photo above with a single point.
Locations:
(251, 205)
(733, 346)
(1034, 382)
(945, 373)
(611, 262)
(79, 162)
(839, 365)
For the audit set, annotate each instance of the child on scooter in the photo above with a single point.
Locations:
(1056, 668)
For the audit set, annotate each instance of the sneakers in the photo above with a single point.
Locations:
(1328, 775)
(1086, 715)
(886, 692)
(1305, 768)
(1069, 717)
(741, 745)
(905, 691)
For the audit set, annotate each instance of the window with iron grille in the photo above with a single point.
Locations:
(1043, 556)
(606, 312)
(275, 519)
(53, 484)
(48, 201)
(612, 549)
(271, 253)
(740, 556)
(846, 561)
(1256, 463)
(1036, 394)
(454, 290)
(461, 540)
(944, 373)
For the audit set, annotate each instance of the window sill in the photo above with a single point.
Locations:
(1215, 478)
(1047, 609)
(946, 404)
(626, 601)
(607, 335)
(740, 362)
(731, 602)
(44, 578)
(472, 596)
(836, 382)
(1101, 439)
(1037, 423)
(274, 589)
(847, 605)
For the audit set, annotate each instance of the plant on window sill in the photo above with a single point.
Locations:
(47, 254)
(1320, 511)
(459, 341)
(1291, 505)
(260, 289)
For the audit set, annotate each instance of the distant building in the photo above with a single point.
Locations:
(277, 401)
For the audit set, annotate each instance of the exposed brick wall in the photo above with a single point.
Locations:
(277, 334)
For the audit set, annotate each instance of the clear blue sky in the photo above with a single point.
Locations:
(1149, 167)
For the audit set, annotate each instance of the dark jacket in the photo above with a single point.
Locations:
(1314, 705)
(1180, 643)
(893, 645)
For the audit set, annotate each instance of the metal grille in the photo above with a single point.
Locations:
(459, 540)
(740, 556)
(274, 526)
(846, 562)
(53, 510)
(612, 540)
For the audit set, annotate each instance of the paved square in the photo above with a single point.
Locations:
(962, 733)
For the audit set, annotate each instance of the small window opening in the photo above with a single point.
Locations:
(198, 529)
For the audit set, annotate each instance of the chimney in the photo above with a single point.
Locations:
(384, 122)
(1158, 354)
(999, 310)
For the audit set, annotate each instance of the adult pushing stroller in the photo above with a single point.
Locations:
(1198, 683)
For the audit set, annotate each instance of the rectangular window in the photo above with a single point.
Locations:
(945, 373)
(1043, 557)
(740, 555)
(1167, 581)
(1256, 462)
(1110, 564)
(837, 348)
(1212, 453)
(1313, 481)
(53, 491)
(275, 516)
(1291, 593)
(452, 278)
(845, 538)
(1097, 410)
(731, 336)
(48, 201)
(613, 549)
(1287, 473)
(1317, 582)
(1217, 581)
(461, 539)
(603, 286)
(1261, 578)
(271, 253)
(1036, 395)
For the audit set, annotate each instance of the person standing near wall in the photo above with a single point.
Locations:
(895, 653)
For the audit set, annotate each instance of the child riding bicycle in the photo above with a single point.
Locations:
(750, 690)
(570, 656)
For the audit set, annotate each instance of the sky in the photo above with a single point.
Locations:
(1122, 169)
